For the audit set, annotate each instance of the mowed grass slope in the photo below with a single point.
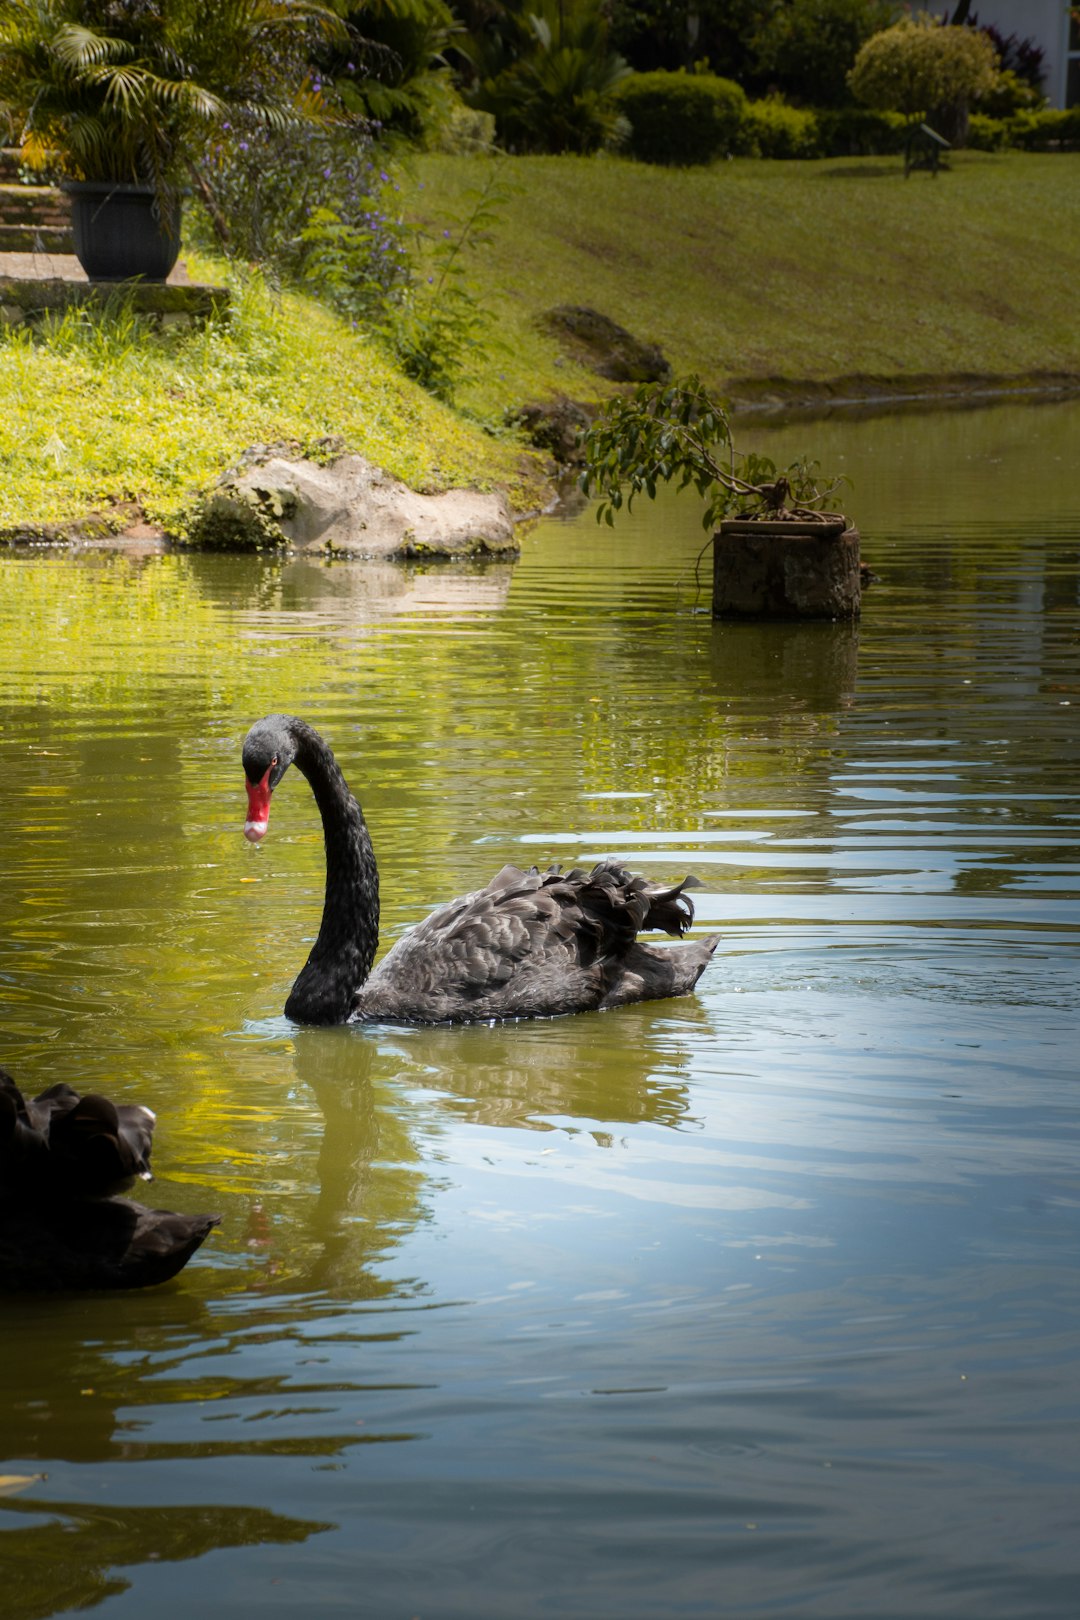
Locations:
(801, 272)
(790, 279)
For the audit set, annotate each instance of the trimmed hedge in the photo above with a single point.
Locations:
(987, 134)
(686, 118)
(860, 132)
(772, 129)
(681, 119)
(1038, 131)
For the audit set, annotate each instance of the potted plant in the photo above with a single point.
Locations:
(118, 96)
(778, 552)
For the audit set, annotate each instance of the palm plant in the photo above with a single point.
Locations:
(124, 90)
(547, 75)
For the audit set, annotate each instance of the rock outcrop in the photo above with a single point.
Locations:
(348, 508)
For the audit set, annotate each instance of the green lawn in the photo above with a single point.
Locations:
(800, 272)
(766, 278)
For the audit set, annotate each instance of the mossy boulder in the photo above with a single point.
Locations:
(596, 341)
(347, 507)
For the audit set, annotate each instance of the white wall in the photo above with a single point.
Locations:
(1046, 21)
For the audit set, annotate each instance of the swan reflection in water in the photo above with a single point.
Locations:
(387, 1095)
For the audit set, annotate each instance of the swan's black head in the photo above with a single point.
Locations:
(269, 750)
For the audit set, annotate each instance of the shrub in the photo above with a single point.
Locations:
(465, 132)
(987, 134)
(772, 129)
(925, 69)
(1040, 131)
(262, 188)
(398, 78)
(1010, 94)
(237, 522)
(860, 132)
(545, 73)
(675, 432)
(670, 34)
(681, 118)
(807, 46)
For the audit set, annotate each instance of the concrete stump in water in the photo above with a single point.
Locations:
(785, 570)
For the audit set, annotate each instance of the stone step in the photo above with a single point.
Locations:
(26, 205)
(10, 159)
(32, 238)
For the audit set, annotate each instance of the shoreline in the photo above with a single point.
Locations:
(125, 529)
(858, 393)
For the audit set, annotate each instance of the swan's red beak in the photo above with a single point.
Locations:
(258, 816)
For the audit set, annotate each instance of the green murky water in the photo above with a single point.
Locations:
(761, 1302)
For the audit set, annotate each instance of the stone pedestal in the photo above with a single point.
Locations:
(785, 570)
(34, 285)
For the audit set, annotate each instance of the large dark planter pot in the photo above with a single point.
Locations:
(121, 231)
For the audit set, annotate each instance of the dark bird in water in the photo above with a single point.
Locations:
(62, 1158)
(529, 945)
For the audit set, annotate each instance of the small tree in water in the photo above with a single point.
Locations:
(677, 433)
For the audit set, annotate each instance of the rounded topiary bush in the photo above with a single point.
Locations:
(681, 118)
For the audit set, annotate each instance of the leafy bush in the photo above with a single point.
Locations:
(220, 522)
(546, 74)
(860, 132)
(426, 312)
(681, 118)
(806, 47)
(1024, 57)
(672, 34)
(1041, 131)
(1010, 94)
(772, 129)
(262, 188)
(393, 72)
(924, 69)
(987, 134)
(677, 433)
(465, 132)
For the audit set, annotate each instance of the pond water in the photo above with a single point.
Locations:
(761, 1302)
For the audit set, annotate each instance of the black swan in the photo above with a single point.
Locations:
(529, 945)
(62, 1156)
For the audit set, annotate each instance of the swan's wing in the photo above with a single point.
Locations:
(527, 943)
(97, 1147)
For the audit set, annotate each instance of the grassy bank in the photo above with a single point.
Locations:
(798, 274)
(99, 412)
(769, 279)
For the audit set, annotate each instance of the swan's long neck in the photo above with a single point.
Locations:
(344, 952)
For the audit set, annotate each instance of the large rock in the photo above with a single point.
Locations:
(351, 508)
(595, 340)
(557, 426)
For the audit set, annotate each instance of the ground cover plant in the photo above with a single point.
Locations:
(106, 410)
